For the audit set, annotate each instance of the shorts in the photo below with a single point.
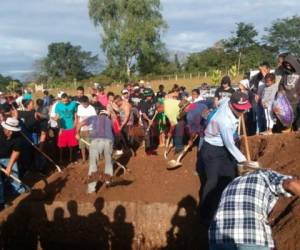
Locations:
(66, 138)
(85, 135)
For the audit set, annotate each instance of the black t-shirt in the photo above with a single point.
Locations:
(135, 100)
(28, 121)
(7, 146)
(148, 108)
(161, 94)
(221, 92)
(98, 107)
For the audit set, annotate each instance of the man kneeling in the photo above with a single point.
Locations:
(241, 221)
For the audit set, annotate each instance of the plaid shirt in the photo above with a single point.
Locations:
(242, 216)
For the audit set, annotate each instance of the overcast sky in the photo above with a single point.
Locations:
(27, 27)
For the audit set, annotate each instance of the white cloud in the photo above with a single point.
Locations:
(27, 27)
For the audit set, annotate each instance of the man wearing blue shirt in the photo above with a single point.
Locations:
(219, 154)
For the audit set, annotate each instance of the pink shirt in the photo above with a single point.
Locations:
(102, 99)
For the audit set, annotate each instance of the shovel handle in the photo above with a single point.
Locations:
(186, 149)
(15, 179)
(152, 120)
(246, 139)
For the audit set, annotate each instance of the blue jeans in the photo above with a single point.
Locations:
(179, 136)
(232, 246)
(260, 119)
(16, 187)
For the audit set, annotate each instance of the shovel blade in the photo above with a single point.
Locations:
(174, 164)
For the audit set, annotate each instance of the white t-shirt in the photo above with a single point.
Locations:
(53, 123)
(84, 113)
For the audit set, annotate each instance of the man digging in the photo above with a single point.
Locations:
(102, 138)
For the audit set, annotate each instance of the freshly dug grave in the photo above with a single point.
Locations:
(158, 210)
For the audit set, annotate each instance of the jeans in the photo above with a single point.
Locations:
(260, 119)
(179, 136)
(16, 187)
(99, 146)
(232, 246)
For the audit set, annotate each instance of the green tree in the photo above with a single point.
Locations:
(68, 62)
(208, 60)
(177, 63)
(284, 35)
(5, 81)
(131, 34)
(243, 38)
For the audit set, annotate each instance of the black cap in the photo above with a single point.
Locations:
(240, 101)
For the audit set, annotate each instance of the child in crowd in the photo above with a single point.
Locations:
(268, 97)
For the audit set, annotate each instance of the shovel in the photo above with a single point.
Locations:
(176, 163)
(168, 148)
(40, 151)
(114, 161)
(28, 189)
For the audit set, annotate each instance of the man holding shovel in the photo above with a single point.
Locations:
(218, 157)
(10, 149)
(102, 138)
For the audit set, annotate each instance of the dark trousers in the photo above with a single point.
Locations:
(217, 168)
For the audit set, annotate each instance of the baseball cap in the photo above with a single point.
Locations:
(124, 91)
(240, 101)
(148, 92)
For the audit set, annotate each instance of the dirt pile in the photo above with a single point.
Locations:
(282, 153)
(156, 211)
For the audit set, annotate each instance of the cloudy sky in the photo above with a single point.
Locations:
(27, 27)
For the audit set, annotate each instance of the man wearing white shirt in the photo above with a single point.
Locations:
(219, 154)
(84, 111)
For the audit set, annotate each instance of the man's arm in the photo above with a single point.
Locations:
(292, 186)
(227, 137)
(13, 158)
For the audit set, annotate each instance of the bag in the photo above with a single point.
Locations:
(283, 109)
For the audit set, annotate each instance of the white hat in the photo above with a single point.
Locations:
(11, 124)
(60, 94)
(125, 91)
(245, 83)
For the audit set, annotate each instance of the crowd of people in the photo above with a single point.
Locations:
(110, 124)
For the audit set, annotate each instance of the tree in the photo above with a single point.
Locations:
(67, 62)
(177, 63)
(284, 35)
(243, 38)
(131, 34)
(208, 60)
(5, 81)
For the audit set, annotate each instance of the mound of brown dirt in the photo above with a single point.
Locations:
(281, 152)
(152, 182)
(155, 198)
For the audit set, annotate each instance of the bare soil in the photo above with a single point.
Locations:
(153, 183)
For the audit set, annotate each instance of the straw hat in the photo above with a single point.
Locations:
(11, 124)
